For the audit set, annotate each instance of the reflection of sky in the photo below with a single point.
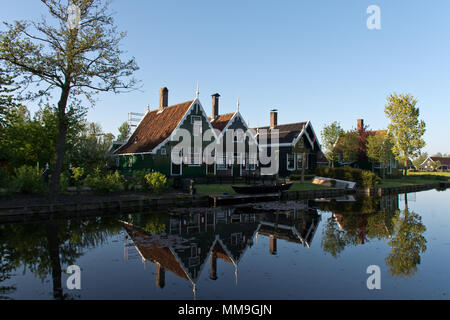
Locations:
(295, 272)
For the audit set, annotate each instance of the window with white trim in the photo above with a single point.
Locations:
(163, 151)
(290, 162)
(300, 161)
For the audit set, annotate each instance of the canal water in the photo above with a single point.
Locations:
(315, 249)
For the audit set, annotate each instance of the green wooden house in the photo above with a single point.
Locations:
(151, 144)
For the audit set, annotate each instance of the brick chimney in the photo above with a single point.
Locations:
(215, 105)
(360, 124)
(163, 98)
(213, 266)
(160, 276)
(273, 118)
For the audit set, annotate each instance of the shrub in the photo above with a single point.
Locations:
(138, 179)
(78, 175)
(64, 182)
(4, 179)
(104, 183)
(157, 181)
(28, 180)
(363, 178)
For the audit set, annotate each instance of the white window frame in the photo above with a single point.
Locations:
(299, 155)
(287, 162)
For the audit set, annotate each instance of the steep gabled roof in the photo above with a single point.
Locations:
(445, 161)
(222, 121)
(155, 128)
(288, 132)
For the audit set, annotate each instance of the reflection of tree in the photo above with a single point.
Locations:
(157, 224)
(44, 249)
(407, 244)
(346, 229)
(334, 240)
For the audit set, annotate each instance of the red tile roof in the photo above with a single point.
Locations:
(154, 128)
(221, 121)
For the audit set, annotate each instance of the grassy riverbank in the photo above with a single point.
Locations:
(205, 189)
(416, 178)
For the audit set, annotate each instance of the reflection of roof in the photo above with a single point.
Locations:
(155, 128)
(222, 120)
(151, 251)
(286, 228)
(221, 253)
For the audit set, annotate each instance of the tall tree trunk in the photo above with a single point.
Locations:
(406, 167)
(53, 250)
(60, 144)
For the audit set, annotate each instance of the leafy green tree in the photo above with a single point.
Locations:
(91, 149)
(420, 159)
(330, 136)
(348, 145)
(83, 58)
(435, 164)
(406, 128)
(124, 132)
(379, 150)
(7, 100)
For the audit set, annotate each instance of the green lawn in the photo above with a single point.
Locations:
(415, 178)
(204, 189)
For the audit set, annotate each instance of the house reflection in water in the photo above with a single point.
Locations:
(192, 238)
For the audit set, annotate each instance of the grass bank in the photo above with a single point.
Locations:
(205, 189)
(415, 178)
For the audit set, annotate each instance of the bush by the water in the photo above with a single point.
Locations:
(103, 183)
(138, 180)
(157, 181)
(363, 178)
(27, 179)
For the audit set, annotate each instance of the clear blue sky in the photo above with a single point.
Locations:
(312, 60)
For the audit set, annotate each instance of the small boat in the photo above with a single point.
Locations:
(262, 188)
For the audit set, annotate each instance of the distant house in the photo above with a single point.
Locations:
(296, 140)
(150, 145)
(361, 160)
(430, 164)
(239, 161)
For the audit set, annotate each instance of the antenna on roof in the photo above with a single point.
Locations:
(238, 104)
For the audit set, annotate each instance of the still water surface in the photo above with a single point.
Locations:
(316, 249)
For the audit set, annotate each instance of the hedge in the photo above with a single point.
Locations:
(363, 178)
